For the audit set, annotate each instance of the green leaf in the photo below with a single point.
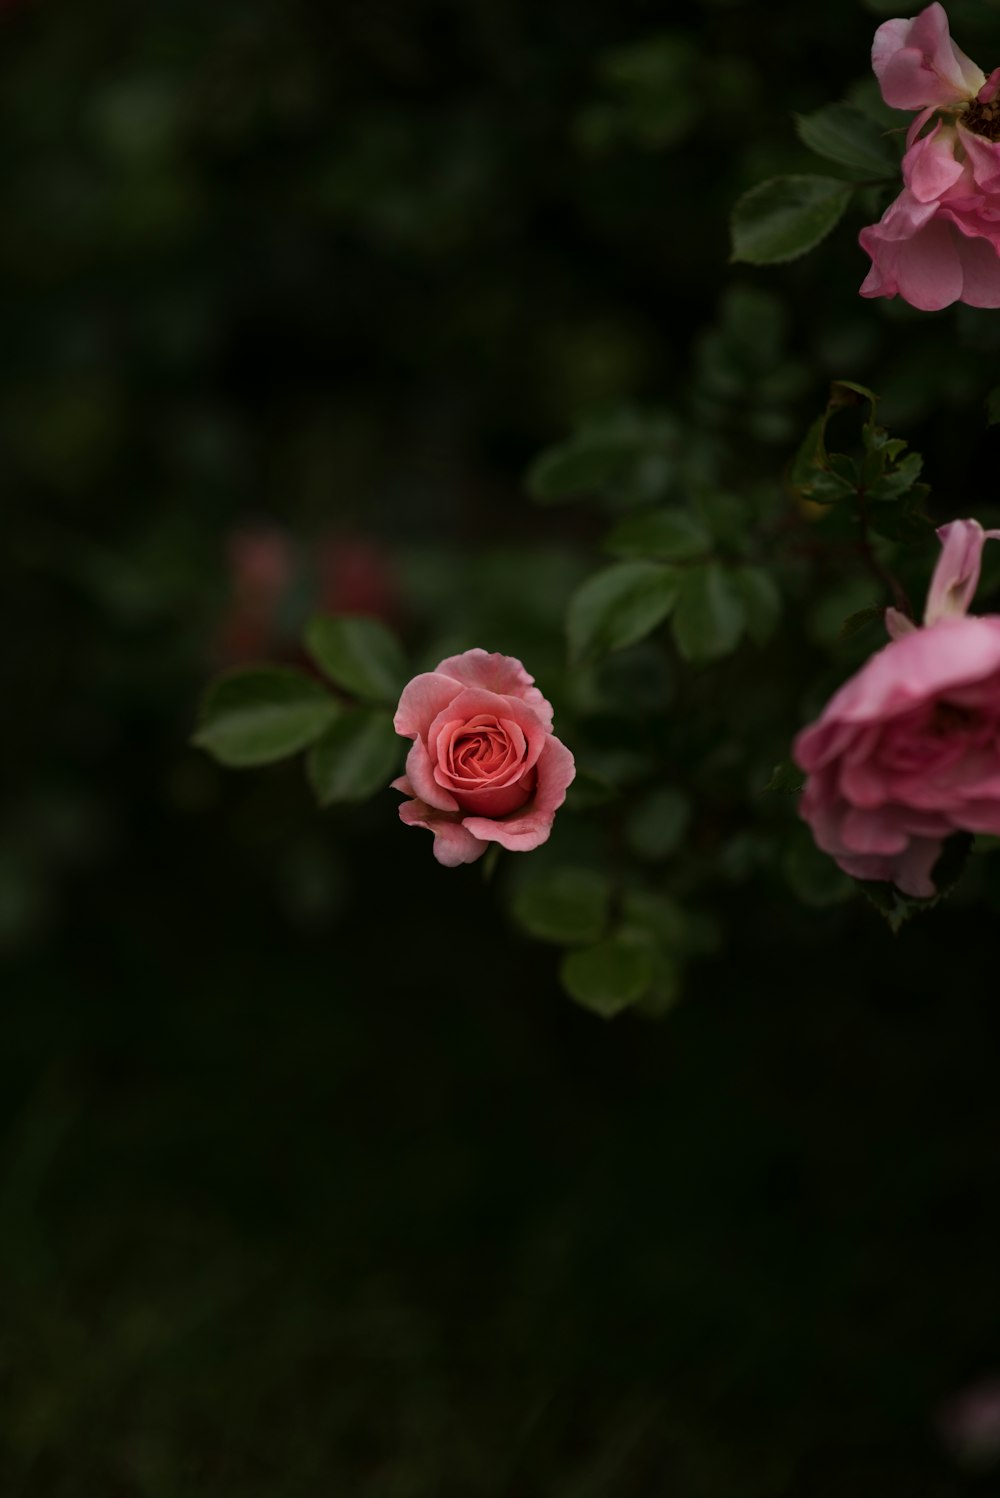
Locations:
(580, 466)
(898, 481)
(564, 905)
(619, 606)
(608, 977)
(359, 654)
(761, 602)
(783, 218)
(786, 778)
(906, 520)
(859, 620)
(710, 616)
(811, 454)
(843, 134)
(656, 825)
(993, 407)
(257, 716)
(356, 757)
(667, 535)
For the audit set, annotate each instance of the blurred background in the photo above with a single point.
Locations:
(313, 1181)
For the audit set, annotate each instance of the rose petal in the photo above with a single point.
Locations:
(422, 700)
(453, 843)
(503, 674)
(529, 828)
(917, 63)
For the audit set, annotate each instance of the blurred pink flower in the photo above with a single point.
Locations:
(908, 751)
(938, 242)
(276, 582)
(485, 766)
(969, 1423)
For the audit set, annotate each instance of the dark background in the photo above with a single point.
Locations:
(313, 1181)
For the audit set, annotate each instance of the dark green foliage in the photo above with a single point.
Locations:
(314, 1180)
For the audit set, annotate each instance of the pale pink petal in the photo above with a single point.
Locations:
(917, 63)
(422, 700)
(530, 828)
(912, 869)
(956, 576)
(983, 157)
(420, 770)
(980, 264)
(453, 843)
(930, 166)
(503, 674)
(872, 832)
(914, 254)
(989, 90)
(904, 674)
(928, 271)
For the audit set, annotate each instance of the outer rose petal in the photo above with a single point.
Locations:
(904, 674)
(453, 843)
(980, 262)
(925, 269)
(420, 769)
(529, 828)
(421, 701)
(503, 674)
(911, 871)
(917, 63)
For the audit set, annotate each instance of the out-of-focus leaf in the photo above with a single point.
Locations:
(993, 407)
(786, 778)
(359, 654)
(578, 467)
(667, 535)
(619, 606)
(710, 616)
(567, 905)
(609, 976)
(355, 757)
(859, 620)
(842, 133)
(257, 716)
(761, 601)
(656, 824)
(783, 218)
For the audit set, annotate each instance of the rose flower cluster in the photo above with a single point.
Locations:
(939, 241)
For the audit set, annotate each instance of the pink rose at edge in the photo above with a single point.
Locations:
(907, 752)
(485, 766)
(938, 242)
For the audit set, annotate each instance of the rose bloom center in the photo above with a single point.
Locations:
(483, 749)
(983, 119)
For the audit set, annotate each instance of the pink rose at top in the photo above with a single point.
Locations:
(485, 766)
(939, 241)
(908, 751)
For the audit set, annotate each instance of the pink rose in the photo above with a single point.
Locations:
(939, 241)
(485, 766)
(908, 751)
